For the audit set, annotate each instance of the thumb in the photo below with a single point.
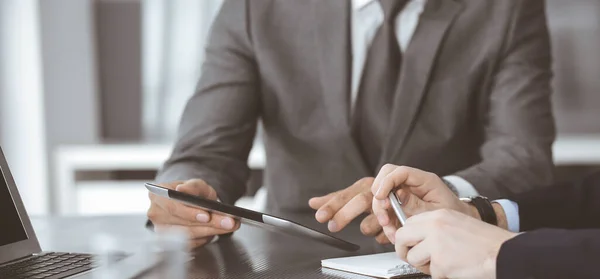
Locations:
(197, 187)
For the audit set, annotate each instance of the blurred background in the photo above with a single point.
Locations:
(91, 92)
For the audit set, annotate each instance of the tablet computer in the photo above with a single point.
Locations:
(253, 218)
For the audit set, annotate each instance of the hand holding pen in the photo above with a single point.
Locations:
(416, 191)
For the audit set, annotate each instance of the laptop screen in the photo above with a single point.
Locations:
(11, 227)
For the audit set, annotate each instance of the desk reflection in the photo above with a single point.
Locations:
(256, 253)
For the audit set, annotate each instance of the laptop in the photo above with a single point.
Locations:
(20, 252)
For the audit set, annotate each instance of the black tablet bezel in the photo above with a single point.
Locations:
(284, 225)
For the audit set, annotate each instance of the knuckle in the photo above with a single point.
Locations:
(398, 234)
(366, 180)
(196, 182)
(341, 197)
(389, 166)
(410, 257)
(367, 227)
(403, 169)
(364, 228)
(364, 199)
(152, 213)
(211, 193)
(197, 232)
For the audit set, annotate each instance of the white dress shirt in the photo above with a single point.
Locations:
(367, 17)
(511, 210)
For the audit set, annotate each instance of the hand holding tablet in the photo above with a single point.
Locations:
(252, 217)
(200, 225)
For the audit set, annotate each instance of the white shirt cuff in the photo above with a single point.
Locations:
(463, 187)
(511, 210)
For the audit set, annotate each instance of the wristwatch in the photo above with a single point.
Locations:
(484, 207)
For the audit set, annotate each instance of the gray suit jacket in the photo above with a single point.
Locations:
(473, 100)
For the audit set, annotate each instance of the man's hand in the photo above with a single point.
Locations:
(449, 244)
(341, 207)
(200, 225)
(417, 190)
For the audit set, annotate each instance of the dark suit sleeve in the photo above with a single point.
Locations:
(568, 206)
(550, 253)
(519, 125)
(219, 122)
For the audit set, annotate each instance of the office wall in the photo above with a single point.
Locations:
(85, 56)
(92, 70)
(174, 36)
(22, 130)
(573, 25)
(70, 71)
(118, 35)
(68, 48)
(3, 10)
(575, 31)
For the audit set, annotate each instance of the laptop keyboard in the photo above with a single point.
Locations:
(48, 266)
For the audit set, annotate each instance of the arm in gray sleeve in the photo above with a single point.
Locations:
(219, 122)
(517, 154)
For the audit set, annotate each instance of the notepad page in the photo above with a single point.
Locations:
(385, 265)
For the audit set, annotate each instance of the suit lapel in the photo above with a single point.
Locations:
(419, 60)
(332, 32)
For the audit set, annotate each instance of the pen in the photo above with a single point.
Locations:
(397, 208)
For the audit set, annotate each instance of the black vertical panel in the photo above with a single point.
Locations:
(119, 36)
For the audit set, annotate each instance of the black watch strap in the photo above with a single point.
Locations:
(485, 209)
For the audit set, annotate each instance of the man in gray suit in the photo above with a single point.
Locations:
(456, 87)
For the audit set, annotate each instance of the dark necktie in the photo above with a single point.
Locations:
(373, 107)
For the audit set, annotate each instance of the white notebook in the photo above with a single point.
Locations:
(386, 265)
